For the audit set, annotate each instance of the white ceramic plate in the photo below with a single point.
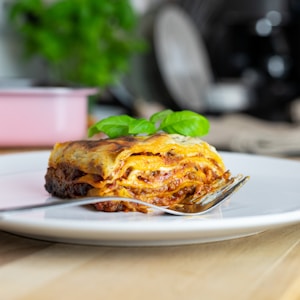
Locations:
(270, 199)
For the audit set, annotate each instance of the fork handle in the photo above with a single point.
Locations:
(64, 203)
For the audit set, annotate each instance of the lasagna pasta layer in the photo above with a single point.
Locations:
(162, 169)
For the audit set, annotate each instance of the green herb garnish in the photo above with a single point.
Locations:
(183, 122)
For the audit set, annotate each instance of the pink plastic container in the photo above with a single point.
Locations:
(42, 116)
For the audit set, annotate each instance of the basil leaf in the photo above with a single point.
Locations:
(92, 130)
(113, 126)
(139, 126)
(160, 116)
(186, 123)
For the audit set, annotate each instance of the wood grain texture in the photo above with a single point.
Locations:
(263, 266)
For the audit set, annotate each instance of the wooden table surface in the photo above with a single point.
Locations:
(263, 266)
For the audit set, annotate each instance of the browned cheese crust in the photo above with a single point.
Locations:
(162, 169)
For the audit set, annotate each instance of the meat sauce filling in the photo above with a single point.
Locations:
(60, 182)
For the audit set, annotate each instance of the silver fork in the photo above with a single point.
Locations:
(196, 206)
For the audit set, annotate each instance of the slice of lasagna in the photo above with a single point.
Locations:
(162, 169)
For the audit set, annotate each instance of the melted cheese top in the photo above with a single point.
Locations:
(112, 158)
(162, 168)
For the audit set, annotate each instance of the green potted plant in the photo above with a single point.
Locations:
(81, 44)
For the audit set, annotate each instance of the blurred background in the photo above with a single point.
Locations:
(235, 61)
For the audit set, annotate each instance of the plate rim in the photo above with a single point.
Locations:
(262, 222)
